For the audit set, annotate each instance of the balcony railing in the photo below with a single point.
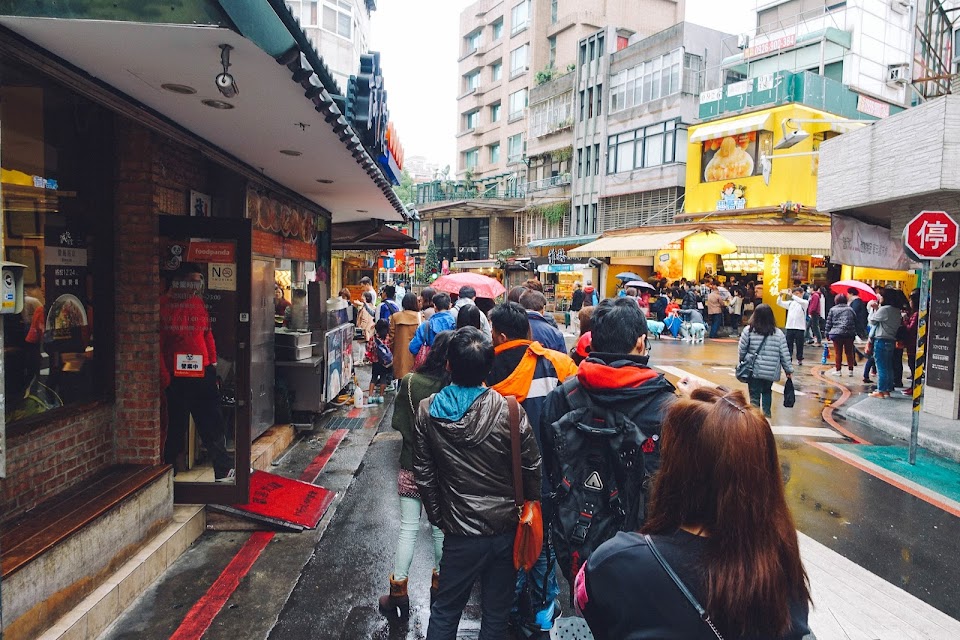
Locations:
(548, 183)
(453, 191)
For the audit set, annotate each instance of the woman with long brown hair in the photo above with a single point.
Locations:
(718, 518)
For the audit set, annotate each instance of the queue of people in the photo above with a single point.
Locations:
(605, 448)
(627, 487)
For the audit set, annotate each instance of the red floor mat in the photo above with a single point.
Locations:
(289, 500)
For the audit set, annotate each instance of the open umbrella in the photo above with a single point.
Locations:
(866, 291)
(485, 286)
(640, 284)
(626, 275)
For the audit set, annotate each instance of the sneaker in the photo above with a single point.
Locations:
(230, 477)
(836, 372)
(850, 373)
(879, 394)
(799, 363)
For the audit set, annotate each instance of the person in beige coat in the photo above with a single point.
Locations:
(403, 325)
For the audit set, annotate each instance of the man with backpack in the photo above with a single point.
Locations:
(529, 371)
(601, 436)
(389, 306)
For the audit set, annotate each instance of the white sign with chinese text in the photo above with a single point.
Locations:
(711, 95)
(859, 244)
(776, 44)
(872, 107)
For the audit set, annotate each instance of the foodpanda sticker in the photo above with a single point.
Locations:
(188, 365)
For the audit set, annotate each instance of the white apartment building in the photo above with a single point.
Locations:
(340, 31)
(867, 45)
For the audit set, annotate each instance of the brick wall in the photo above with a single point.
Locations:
(152, 175)
(53, 457)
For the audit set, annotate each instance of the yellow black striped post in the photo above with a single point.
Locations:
(920, 359)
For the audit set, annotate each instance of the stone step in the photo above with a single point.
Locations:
(97, 611)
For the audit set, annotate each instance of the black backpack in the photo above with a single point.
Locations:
(603, 479)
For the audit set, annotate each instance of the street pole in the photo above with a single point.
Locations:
(918, 365)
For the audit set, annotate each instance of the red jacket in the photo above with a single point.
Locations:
(184, 328)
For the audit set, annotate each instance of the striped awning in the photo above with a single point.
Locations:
(779, 242)
(758, 122)
(631, 245)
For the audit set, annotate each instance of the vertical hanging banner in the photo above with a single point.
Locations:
(65, 277)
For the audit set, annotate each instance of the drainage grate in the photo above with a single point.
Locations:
(571, 629)
(347, 423)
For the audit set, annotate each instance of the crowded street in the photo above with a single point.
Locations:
(479, 320)
(326, 584)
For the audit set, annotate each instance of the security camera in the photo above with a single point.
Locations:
(225, 82)
(227, 85)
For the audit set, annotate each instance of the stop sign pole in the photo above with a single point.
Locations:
(931, 235)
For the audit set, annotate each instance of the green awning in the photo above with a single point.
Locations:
(568, 241)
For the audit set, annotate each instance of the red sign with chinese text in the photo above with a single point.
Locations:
(931, 235)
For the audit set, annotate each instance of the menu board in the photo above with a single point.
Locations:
(942, 330)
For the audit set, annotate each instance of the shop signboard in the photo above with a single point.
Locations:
(942, 340)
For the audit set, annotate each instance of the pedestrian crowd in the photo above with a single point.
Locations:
(638, 484)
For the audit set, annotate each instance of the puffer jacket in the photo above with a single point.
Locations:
(841, 321)
(463, 466)
(771, 358)
(885, 320)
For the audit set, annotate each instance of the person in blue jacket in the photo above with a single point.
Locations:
(550, 337)
(441, 320)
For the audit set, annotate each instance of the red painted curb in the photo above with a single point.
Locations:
(313, 469)
(201, 615)
(828, 410)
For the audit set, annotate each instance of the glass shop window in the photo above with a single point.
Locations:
(56, 169)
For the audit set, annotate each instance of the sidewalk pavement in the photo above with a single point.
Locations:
(893, 416)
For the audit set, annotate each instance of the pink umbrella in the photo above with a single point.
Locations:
(485, 287)
(866, 291)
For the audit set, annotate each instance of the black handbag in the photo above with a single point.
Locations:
(701, 612)
(789, 394)
(745, 368)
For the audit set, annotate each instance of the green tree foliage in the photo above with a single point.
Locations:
(431, 262)
(406, 190)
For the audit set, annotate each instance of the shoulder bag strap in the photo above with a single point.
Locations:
(701, 612)
(409, 379)
(514, 410)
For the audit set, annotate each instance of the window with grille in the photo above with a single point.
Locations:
(551, 115)
(655, 207)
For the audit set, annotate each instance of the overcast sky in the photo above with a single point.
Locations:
(418, 42)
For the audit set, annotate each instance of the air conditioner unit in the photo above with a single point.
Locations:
(898, 75)
(901, 6)
(743, 41)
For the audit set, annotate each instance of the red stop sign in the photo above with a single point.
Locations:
(931, 235)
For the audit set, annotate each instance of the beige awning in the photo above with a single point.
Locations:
(779, 242)
(759, 122)
(631, 245)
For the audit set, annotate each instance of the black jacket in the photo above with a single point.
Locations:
(625, 565)
(576, 303)
(689, 300)
(860, 310)
(463, 467)
(616, 381)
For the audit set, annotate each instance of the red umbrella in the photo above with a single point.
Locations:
(866, 291)
(485, 286)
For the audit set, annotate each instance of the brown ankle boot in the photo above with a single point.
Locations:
(434, 586)
(397, 604)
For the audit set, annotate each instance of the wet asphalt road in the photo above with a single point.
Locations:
(326, 584)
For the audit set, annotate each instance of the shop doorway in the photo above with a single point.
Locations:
(205, 311)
